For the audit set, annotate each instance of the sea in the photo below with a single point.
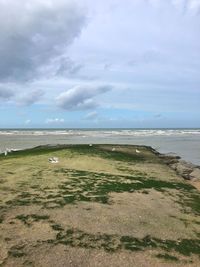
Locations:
(183, 142)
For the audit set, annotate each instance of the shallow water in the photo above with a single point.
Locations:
(184, 142)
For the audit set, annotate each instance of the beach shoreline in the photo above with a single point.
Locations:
(183, 142)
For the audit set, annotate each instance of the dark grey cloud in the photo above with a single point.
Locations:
(30, 98)
(32, 33)
(81, 97)
(6, 93)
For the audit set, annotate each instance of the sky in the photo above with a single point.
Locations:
(99, 64)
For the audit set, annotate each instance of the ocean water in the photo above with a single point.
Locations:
(184, 142)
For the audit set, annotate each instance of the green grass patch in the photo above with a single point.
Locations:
(1, 218)
(17, 251)
(167, 257)
(95, 150)
(80, 185)
(98, 151)
(28, 219)
(92, 186)
(57, 227)
(73, 150)
(111, 243)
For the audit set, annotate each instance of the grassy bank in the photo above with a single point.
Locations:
(110, 202)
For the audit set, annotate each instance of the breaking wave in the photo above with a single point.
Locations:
(104, 132)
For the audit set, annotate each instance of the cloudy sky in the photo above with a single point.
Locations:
(102, 63)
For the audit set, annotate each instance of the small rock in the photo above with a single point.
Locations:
(172, 155)
(188, 165)
(186, 169)
(173, 166)
(170, 158)
(195, 174)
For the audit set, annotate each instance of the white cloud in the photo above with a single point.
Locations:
(155, 3)
(91, 116)
(67, 67)
(194, 5)
(187, 5)
(54, 121)
(81, 97)
(30, 98)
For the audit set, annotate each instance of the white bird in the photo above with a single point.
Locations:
(113, 149)
(6, 152)
(137, 151)
(90, 144)
(53, 160)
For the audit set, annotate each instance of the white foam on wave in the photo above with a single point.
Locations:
(104, 133)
